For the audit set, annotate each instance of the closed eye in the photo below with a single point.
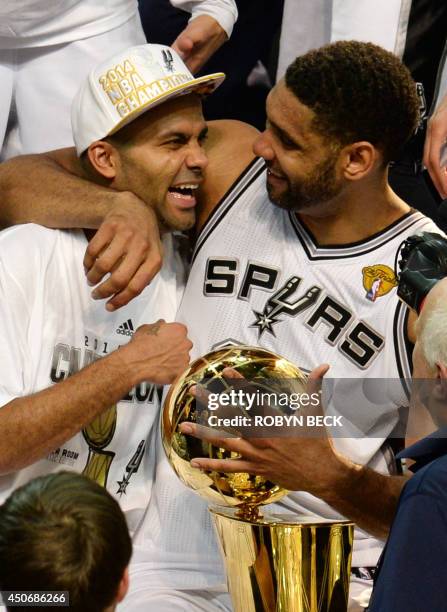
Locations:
(178, 140)
(288, 142)
(203, 136)
(282, 136)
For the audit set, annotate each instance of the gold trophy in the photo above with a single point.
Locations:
(98, 434)
(273, 562)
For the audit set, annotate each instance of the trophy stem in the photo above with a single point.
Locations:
(249, 512)
(276, 565)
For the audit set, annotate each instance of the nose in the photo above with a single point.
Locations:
(196, 158)
(262, 147)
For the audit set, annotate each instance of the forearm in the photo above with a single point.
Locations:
(37, 189)
(364, 496)
(32, 426)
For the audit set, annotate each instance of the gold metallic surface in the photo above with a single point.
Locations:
(279, 565)
(98, 434)
(240, 489)
(274, 563)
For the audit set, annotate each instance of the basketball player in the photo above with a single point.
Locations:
(69, 398)
(292, 277)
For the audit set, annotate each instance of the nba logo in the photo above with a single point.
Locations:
(372, 293)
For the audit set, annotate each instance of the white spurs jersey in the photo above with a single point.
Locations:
(259, 278)
(50, 328)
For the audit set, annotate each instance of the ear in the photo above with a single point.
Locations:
(104, 158)
(123, 586)
(441, 369)
(441, 381)
(358, 159)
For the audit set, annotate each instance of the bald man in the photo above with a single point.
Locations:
(410, 574)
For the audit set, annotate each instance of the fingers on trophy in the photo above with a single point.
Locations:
(274, 562)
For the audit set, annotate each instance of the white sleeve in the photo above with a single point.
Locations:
(223, 11)
(14, 319)
(26, 252)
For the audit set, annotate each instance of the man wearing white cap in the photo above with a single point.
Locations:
(69, 399)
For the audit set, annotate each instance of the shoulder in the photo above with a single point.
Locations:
(21, 238)
(229, 149)
(229, 140)
(31, 235)
(225, 131)
(25, 249)
(422, 223)
(430, 480)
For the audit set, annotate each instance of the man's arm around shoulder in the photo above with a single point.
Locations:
(229, 147)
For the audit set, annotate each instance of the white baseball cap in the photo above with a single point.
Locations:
(119, 90)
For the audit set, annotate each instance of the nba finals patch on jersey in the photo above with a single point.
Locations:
(378, 280)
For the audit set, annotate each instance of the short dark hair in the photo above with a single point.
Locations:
(64, 532)
(358, 91)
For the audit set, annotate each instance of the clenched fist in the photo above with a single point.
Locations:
(158, 352)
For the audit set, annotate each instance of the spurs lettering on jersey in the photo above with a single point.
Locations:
(359, 343)
(259, 277)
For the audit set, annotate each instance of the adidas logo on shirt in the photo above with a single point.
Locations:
(126, 328)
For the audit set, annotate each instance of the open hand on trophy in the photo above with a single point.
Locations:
(303, 460)
(309, 462)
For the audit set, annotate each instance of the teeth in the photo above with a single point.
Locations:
(185, 187)
(178, 195)
(274, 173)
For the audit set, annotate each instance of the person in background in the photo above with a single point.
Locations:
(48, 48)
(63, 532)
(410, 576)
(253, 40)
(415, 31)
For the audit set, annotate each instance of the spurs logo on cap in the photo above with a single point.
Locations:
(168, 59)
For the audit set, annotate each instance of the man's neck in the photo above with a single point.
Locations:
(356, 217)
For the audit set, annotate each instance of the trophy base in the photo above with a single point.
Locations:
(276, 564)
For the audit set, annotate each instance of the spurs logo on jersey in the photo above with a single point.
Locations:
(278, 304)
(131, 468)
(360, 345)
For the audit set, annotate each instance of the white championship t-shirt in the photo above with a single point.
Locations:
(50, 328)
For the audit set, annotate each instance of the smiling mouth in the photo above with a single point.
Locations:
(184, 195)
(275, 175)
